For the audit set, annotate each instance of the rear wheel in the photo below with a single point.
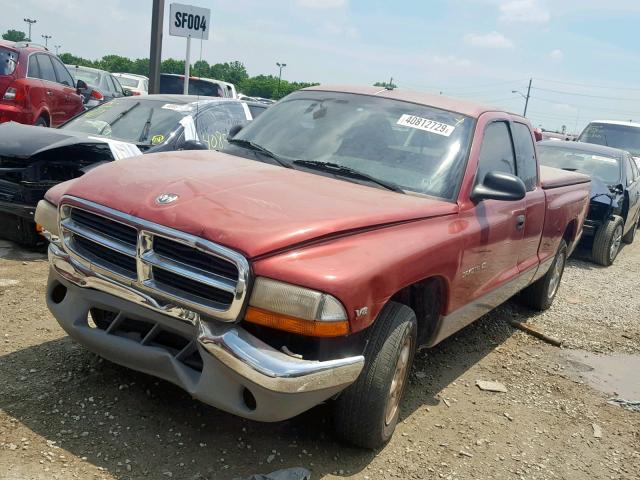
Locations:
(607, 241)
(631, 234)
(540, 294)
(366, 413)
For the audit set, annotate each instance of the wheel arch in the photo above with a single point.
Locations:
(428, 299)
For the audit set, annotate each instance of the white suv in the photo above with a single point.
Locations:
(136, 84)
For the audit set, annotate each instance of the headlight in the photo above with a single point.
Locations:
(296, 309)
(46, 218)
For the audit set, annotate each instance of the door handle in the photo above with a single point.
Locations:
(520, 219)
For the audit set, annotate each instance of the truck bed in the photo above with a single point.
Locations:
(555, 178)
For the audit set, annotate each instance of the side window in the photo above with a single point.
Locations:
(628, 170)
(256, 110)
(63, 75)
(34, 70)
(525, 155)
(636, 168)
(496, 153)
(116, 84)
(46, 68)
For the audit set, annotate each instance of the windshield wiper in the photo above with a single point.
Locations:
(347, 172)
(249, 145)
(147, 127)
(119, 117)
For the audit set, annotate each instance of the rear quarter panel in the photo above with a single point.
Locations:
(564, 206)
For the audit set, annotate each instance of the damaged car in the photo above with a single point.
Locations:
(614, 208)
(32, 159)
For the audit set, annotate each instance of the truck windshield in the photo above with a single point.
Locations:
(599, 166)
(624, 137)
(418, 148)
(144, 122)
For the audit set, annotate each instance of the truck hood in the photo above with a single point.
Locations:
(250, 206)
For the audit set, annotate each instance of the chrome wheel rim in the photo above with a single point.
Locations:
(556, 274)
(615, 243)
(399, 378)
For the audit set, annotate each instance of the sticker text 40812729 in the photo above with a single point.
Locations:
(425, 124)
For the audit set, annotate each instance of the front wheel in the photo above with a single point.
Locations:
(607, 241)
(366, 413)
(540, 294)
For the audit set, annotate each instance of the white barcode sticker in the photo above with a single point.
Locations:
(425, 124)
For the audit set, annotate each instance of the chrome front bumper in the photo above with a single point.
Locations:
(233, 360)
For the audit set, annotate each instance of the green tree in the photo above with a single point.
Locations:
(14, 36)
(385, 84)
(234, 72)
(171, 65)
(69, 59)
(115, 63)
(140, 66)
(200, 69)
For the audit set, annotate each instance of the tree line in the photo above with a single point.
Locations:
(234, 72)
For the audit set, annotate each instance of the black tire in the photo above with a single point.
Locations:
(541, 293)
(604, 249)
(631, 234)
(360, 412)
(41, 122)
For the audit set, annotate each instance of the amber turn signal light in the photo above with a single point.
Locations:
(310, 328)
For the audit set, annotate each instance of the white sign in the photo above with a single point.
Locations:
(189, 21)
(425, 124)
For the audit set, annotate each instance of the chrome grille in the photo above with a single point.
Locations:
(168, 264)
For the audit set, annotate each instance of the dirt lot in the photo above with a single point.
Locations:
(64, 413)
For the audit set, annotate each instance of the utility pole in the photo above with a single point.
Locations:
(46, 40)
(29, 22)
(281, 66)
(57, 47)
(155, 51)
(526, 102)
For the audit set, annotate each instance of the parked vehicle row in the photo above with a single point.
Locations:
(309, 259)
(32, 159)
(103, 86)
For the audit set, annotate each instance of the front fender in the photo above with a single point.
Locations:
(367, 269)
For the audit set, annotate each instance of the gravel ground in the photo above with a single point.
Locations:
(65, 413)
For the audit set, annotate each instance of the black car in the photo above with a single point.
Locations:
(614, 210)
(33, 159)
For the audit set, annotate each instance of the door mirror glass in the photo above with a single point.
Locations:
(193, 145)
(499, 186)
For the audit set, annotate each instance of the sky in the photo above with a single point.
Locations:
(581, 54)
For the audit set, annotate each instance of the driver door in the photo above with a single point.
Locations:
(489, 263)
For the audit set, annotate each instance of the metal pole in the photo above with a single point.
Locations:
(526, 102)
(187, 66)
(29, 22)
(46, 40)
(155, 50)
(57, 47)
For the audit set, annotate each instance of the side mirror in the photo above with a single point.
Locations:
(193, 145)
(499, 186)
(619, 189)
(81, 86)
(233, 131)
(127, 93)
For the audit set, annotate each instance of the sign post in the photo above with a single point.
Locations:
(189, 21)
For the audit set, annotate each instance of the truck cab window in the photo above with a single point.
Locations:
(525, 155)
(496, 153)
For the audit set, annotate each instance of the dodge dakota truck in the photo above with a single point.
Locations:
(339, 232)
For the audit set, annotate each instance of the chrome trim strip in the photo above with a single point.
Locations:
(270, 368)
(144, 251)
(206, 278)
(87, 277)
(96, 237)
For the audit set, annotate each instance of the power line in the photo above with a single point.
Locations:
(613, 87)
(587, 95)
(586, 107)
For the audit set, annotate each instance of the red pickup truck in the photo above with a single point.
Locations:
(339, 232)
